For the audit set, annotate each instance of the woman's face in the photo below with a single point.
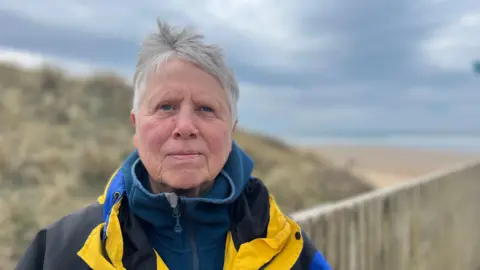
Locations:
(183, 126)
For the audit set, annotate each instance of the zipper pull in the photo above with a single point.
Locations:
(173, 200)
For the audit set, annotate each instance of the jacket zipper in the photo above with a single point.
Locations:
(174, 202)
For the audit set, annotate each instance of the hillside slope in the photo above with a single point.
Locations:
(62, 137)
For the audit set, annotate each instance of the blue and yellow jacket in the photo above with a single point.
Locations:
(108, 235)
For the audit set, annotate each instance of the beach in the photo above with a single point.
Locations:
(389, 165)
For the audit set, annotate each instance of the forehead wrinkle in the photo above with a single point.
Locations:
(175, 88)
(155, 96)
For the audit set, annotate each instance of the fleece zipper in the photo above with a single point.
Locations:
(175, 202)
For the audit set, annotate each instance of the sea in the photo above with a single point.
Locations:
(466, 142)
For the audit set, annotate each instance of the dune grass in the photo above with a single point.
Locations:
(62, 137)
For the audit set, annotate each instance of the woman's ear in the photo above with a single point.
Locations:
(235, 126)
(132, 117)
(134, 122)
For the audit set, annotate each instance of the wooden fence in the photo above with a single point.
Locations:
(430, 223)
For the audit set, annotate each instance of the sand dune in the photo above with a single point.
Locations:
(385, 166)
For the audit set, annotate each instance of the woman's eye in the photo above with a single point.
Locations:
(166, 107)
(206, 109)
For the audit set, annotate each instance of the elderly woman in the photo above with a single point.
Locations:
(185, 198)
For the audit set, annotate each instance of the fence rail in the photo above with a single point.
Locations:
(431, 223)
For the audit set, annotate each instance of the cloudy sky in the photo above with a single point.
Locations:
(306, 68)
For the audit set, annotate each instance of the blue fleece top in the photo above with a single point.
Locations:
(188, 233)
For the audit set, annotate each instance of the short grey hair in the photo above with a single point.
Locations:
(185, 44)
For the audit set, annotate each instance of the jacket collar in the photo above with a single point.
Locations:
(280, 238)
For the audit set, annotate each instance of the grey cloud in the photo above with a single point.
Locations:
(23, 33)
(367, 75)
(96, 48)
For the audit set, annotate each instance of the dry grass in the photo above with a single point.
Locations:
(62, 137)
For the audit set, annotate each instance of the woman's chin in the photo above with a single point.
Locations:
(185, 180)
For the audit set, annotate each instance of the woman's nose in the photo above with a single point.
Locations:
(185, 125)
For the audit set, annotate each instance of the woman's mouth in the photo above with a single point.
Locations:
(184, 155)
